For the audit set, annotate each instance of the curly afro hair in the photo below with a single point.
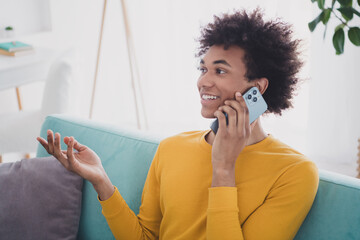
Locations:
(269, 52)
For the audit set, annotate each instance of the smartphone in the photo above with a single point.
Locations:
(255, 103)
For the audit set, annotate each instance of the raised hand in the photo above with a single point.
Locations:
(230, 140)
(85, 162)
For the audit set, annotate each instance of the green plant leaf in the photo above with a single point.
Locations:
(356, 12)
(358, 2)
(313, 23)
(345, 3)
(346, 12)
(316, 0)
(338, 41)
(333, 3)
(326, 16)
(354, 35)
(321, 4)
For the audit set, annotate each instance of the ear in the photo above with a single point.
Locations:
(262, 84)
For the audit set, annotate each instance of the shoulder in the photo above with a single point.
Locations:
(181, 139)
(279, 146)
(286, 153)
(293, 164)
(178, 148)
(302, 176)
(304, 169)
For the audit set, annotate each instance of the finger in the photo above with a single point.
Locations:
(235, 104)
(252, 125)
(57, 150)
(43, 142)
(70, 153)
(245, 109)
(221, 119)
(232, 117)
(66, 140)
(50, 140)
(243, 124)
(57, 147)
(77, 146)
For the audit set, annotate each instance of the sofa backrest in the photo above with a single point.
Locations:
(126, 157)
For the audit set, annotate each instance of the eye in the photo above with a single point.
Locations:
(202, 70)
(220, 71)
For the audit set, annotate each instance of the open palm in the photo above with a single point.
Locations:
(84, 162)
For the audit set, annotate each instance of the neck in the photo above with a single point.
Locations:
(257, 134)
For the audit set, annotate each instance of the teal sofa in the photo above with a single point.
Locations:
(126, 157)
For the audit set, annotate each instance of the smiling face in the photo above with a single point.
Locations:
(222, 74)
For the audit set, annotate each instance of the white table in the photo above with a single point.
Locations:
(17, 71)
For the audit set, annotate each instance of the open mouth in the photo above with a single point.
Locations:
(209, 97)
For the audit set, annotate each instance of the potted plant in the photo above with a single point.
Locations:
(9, 31)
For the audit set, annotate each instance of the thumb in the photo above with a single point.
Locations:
(66, 140)
(253, 124)
(78, 147)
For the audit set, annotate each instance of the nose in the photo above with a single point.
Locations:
(205, 81)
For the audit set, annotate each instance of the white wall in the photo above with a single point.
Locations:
(74, 24)
(27, 17)
(334, 112)
(323, 123)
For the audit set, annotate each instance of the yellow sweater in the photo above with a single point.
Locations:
(275, 188)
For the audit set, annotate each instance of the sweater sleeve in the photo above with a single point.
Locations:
(123, 222)
(279, 217)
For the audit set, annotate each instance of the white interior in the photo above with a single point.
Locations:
(324, 124)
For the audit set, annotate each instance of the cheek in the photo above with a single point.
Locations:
(232, 87)
(198, 83)
(228, 93)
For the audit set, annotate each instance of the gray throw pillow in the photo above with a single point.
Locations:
(39, 199)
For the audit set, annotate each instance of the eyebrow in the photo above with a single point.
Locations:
(221, 61)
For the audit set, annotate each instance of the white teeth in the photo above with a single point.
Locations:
(207, 97)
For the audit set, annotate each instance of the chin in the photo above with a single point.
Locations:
(207, 114)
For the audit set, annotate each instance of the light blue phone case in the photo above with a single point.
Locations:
(255, 103)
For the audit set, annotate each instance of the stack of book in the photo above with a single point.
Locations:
(15, 48)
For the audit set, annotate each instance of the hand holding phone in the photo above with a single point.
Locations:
(255, 104)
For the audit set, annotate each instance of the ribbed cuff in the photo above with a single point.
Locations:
(223, 199)
(112, 205)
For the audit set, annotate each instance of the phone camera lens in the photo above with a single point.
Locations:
(254, 99)
(254, 92)
(249, 96)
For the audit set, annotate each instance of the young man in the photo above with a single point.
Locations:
(240, 183)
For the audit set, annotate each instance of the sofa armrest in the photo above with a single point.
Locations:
(335, 213)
